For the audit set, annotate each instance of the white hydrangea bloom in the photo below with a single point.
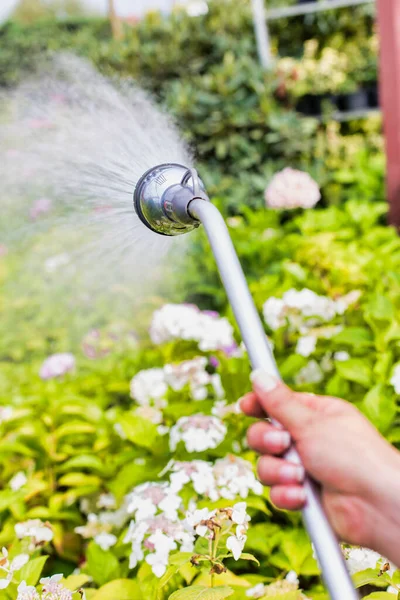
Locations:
(150, 413)
(392, 590)
(395, 379)
(187, 322)
(57, 365)
(197, 432)
(234, 477)
(141, 535)
(256, 592)
(53, 589)
(194, 373)
(105, 540)
(235, 543)
(306, 345)
(302, 309)
(292, 577)
(54, 263)
(149, 385)
(149, 498)
(221, 409)
(196, 520)
(18, 481)
(359, 559)
(6, 413)
(106, 501)
(8, 569)
(311, 373)
(35, 529)
(27, 592)
(291, 188)
(94, 527)
(341, 356)
(198, 472)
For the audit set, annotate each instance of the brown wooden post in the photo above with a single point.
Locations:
(389, 30)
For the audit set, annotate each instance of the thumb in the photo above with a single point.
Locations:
(280, 402)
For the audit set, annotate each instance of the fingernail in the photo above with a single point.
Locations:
(296, 494)
(290, 473)
(278, 438)
(238, 405)
(264, 380)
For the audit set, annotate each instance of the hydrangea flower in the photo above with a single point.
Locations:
(194, 373)
(188, 322)
(341, 356)
(197, 472)
(311, 373)
(291, 188)
(306, 345)
(395, 379)
(299, 309)
(150, 413)
(27, 592)
(3, 250)
(205, 523)
(154, 538)
(54, 263)
(38, 532)
(57, 365)
(9, 569)
(98, 529)
(18, 481)
(39, 208)
(149, 385)
(234, 477)
(53, 590)
(149, 498)
(197, 432)
(359, 559)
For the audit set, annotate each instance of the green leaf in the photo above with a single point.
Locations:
(7, 499)
(102, 565)
(379, 405)
(140, 431)
(380, 308)
(32, 571)
(355, 370)
(119, 589)
(74, 429)
(79, 479)
(83, 461)
(369, 577)
(73, 582)
(247, 556)
(379, 596)
(198, 592)
(354, 336)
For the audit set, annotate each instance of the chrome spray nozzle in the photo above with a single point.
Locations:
(162, 197)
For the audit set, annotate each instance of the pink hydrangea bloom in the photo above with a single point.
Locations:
(57, 365)
(3, 250)
(292, 189)
(40, 207)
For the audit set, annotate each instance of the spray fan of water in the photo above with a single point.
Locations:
(74, 145)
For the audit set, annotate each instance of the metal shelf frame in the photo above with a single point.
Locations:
(312, 7)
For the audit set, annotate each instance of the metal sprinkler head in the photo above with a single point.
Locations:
(162, 197)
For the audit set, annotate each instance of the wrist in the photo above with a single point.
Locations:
(385, 497)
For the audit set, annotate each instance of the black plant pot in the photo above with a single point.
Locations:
(355, 101)
(305, 1)
(373, 95)
(310, 105)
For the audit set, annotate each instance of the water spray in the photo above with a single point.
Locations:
(170, 199)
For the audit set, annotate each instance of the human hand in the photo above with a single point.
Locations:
(359, 471)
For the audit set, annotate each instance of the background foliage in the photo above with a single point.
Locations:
(62, 432)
